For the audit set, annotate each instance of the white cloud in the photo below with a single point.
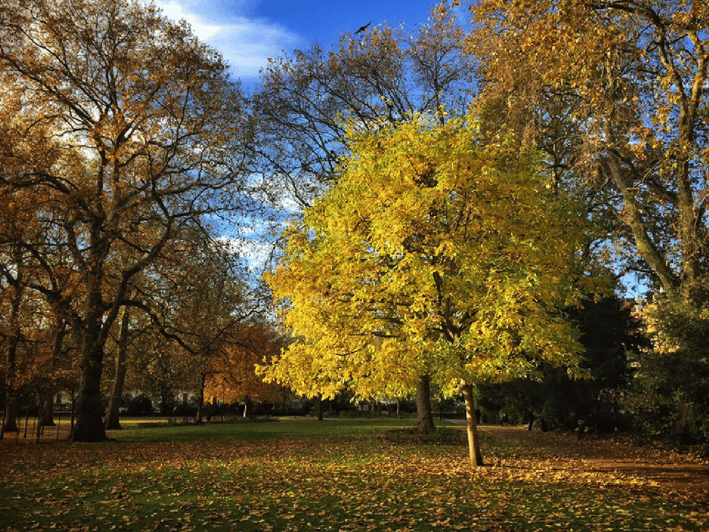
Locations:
(203, 29)
(245, 43)
(248, 44)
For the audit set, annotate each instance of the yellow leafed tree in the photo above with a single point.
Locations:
(432, 254)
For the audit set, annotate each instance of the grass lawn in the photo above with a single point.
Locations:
(305, 475)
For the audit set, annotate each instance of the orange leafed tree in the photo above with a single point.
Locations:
(232, 375)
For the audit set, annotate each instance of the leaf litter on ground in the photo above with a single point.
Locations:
(327, 483)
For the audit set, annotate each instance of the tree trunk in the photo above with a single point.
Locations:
(48, 410)
(9, 423)
(320, 412)
(92, 331)
(200, 399)
(424, 412)
(40, 416)
(113, 415)
(476, 457)
(47, 397)
(89, 426)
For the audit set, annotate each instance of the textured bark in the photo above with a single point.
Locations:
(89, 426)
(112, 416)
(476, 457)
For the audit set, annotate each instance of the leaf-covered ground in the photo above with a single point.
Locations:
(366, 482)
(679, 472)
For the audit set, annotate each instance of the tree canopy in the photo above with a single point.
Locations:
(616, 94)
(433, 253)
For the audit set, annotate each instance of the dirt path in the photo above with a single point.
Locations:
(619, 455)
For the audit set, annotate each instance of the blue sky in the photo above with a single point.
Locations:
(248, 32)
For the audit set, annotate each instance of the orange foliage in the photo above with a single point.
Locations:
(232, 377)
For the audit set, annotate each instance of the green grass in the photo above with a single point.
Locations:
(364, 474)
(260, 430)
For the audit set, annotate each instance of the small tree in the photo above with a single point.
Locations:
(433, 254)
(232, 374)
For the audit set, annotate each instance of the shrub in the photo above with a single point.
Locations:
(139, 405)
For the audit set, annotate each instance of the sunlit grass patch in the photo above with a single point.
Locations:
(274, 428)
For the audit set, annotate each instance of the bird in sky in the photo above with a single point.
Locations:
(363, 28)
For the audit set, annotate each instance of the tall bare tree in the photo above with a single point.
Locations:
(144, 133)
(383, 75)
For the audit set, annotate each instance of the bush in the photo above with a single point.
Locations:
(184, 410)
(139, 405)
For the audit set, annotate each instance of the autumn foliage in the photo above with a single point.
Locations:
(431, 254)
(462, 186)
(360, 475)
(126, 129)
(232, 376)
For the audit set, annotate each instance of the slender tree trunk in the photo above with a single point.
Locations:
(320, 412)
(39, 428)
(424, 412)
(9, 423)
(200, 399)
(113, 415)
(47, 397)
(73, 411)
(476, 457)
